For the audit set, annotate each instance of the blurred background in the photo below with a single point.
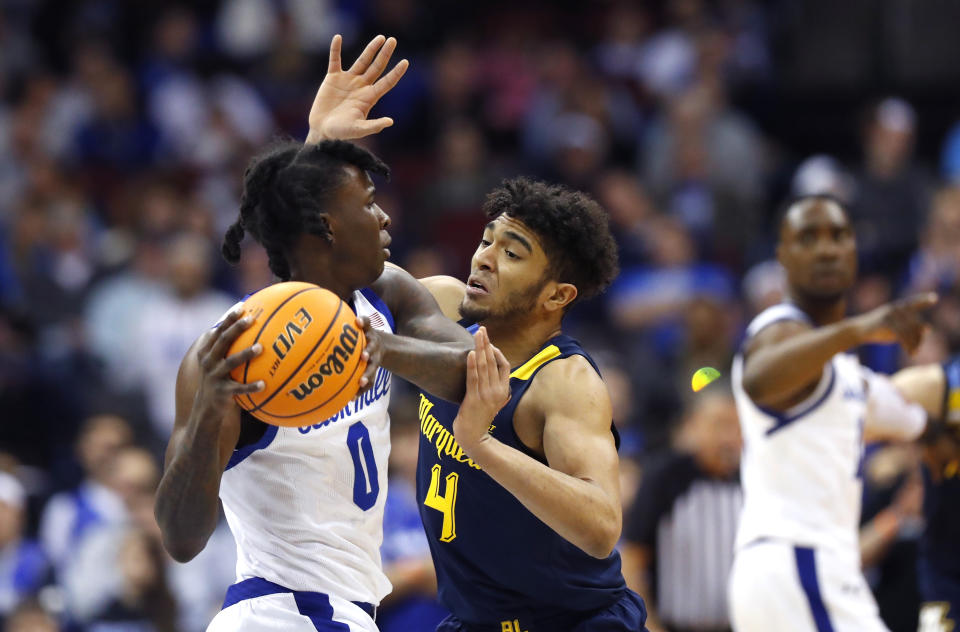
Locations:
(125, 128)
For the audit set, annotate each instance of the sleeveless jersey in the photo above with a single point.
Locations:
(939, 545)
(494, 559)
(801, 469)
(305, 505)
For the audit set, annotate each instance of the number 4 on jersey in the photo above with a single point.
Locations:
(444, 504)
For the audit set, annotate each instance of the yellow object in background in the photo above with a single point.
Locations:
(703, 377)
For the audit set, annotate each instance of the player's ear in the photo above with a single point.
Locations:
(559, 295)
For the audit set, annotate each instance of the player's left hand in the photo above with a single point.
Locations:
(488, 390)
(345, 97)
(372, 353)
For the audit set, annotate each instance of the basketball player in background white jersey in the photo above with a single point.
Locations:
(805, 404)
(305, 505)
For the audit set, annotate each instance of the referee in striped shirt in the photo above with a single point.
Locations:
(678, 540)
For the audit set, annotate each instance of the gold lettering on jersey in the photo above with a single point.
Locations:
(511, 626)
(440, 437)
(933, 617)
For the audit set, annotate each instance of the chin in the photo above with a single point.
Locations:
(471, 312)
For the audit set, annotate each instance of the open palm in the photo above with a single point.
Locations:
(346, 97)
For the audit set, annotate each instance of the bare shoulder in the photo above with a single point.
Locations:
(448, 292)
(394, 285)
(570, 385)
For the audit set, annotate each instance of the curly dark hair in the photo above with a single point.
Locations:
(573, 229)
(285, 192)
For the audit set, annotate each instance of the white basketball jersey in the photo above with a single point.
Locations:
(801, 468)
(305, 505)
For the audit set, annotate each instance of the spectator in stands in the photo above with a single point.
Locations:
(23, 566)
(169, 324)
(892, 192)
(936, 263)
(69, 515)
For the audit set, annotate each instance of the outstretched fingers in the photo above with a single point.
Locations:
(379, 63)
(366, 57)
(336, 44)
(921, 302)
(386, 83)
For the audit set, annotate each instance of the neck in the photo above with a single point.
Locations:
(324, 276)
(520, 340)
(823, 311)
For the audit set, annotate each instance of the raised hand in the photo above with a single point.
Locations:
(488, 390)
(345, 97)
(900, 321)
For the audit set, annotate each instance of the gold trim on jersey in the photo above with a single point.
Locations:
(528, 368)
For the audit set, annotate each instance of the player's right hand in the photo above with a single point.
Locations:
(899, 321)
(217, 389)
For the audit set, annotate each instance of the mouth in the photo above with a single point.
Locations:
(475, 287)
(827, 273)
(385, 243)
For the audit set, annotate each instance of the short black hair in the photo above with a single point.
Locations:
(792, 201)
(573, 228)
(285, 192)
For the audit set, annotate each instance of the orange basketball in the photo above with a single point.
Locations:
(311, 360)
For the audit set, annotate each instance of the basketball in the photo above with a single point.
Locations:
(311, 360)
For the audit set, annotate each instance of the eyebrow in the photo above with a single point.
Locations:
(514, 236)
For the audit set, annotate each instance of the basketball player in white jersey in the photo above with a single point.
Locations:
(805, 404)
(305, 505)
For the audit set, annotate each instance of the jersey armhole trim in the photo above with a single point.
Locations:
(750, 335)
(380, 306)
(819, 395)
(239, 455)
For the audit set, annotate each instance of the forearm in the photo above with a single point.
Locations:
(188, 496)
(579, 510)
(778, 371)
(877, 536)
(437, 367)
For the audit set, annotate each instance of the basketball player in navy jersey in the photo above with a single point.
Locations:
(518, 486)
(305, 505)
(937, 388)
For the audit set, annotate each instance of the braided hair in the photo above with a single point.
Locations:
(286, 190)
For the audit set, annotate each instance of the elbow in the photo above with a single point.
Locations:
(183, 549)
(604, 540)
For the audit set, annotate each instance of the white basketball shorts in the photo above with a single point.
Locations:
(256, 605)
(775, 585)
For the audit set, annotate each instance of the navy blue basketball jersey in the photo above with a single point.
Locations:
(496, 562)
(939, 564)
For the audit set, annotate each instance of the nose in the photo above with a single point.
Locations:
(484, 258)
(384, 218)
(827, 249)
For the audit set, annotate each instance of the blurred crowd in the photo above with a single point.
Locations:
(125, 128)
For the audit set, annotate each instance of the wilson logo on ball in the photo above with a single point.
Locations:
(335, 363)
